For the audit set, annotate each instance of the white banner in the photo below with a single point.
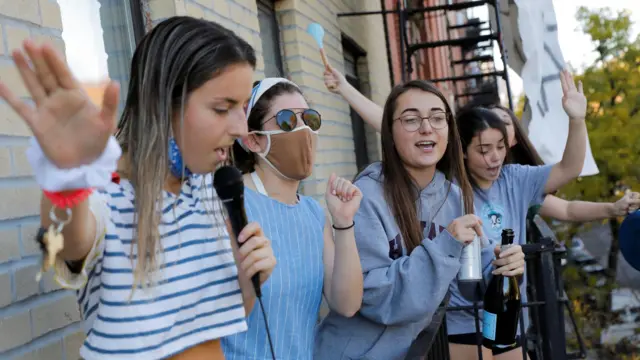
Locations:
(549, 126)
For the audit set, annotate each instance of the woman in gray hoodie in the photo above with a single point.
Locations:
(410, 230)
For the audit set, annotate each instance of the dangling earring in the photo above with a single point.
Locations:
(176, 163)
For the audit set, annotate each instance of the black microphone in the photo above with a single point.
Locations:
(227, 181)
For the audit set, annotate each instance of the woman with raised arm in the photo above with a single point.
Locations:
(503, 195)
(316, 255)
(522, 152)
(410, 230)
(150, 256)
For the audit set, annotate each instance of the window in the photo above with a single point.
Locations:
(99, 43)
(270, 38)
(351, 53)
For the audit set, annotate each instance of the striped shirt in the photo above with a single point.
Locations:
(195, 296)
(293, 293)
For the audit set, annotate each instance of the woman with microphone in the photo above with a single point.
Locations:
(316, 253)
(149, 256)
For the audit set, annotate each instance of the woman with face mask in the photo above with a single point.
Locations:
(316, 255)
(149, 256)
(410, 231)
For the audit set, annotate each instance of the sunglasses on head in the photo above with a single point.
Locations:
(287, 119)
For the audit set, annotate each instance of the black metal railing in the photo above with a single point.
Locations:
(476, 39)
(545, 337)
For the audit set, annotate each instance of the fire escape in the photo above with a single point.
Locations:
(473, 76)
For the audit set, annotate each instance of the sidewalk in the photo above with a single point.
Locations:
(597, 240)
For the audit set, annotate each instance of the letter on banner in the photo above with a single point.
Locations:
(540, 75)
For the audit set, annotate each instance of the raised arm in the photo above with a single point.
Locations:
(575, 105)
(342, 270)
(69, 133)
(369, 111)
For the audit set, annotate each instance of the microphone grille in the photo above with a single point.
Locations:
(227, 181)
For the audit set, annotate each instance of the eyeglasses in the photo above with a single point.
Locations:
(287, 119)
(411, 123)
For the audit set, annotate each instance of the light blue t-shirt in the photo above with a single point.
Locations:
(293, 293)
(503, 206)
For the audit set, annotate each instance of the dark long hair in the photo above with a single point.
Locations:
(246, 161)
(171, 61)
(471, 122)
(522, 152)
(400, 188)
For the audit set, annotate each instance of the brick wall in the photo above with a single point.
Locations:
(37, 321)
(40, 321)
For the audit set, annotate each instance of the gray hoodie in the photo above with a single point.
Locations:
(401, 292)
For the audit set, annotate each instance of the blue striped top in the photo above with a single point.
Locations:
(293, 293)
(195, 296)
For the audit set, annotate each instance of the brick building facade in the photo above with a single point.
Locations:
(422, 27)
(41, 321)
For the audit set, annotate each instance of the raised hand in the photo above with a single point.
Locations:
(343, 200)
(70, 129)
(333, 79)
(573, 100)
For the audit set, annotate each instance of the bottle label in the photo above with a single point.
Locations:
(489, 321)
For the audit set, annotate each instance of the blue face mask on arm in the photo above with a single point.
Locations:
(176, 162)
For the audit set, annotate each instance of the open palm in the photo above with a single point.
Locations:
(573, 100)
(70, 129)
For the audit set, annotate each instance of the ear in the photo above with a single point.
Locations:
(252, 143)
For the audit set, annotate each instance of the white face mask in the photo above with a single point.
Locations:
(290, 153)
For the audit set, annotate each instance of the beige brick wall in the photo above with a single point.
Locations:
(303, 64)
(40, 321)
(37, 321)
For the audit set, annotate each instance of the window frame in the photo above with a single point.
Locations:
(267, 7)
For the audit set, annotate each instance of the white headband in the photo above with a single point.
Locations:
(257, 92)
(261, 88)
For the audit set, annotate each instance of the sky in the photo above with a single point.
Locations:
(85, 46)
(577, 48)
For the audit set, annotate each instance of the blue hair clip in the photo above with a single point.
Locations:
(176, 162)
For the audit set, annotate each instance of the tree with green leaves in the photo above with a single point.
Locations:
(612, 87)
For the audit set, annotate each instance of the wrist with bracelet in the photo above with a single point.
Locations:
(345, 227)
(66, 189)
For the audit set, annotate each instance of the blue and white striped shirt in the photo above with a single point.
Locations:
(293, 293)
(195, 296)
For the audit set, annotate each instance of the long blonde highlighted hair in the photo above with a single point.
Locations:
(177, 57)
